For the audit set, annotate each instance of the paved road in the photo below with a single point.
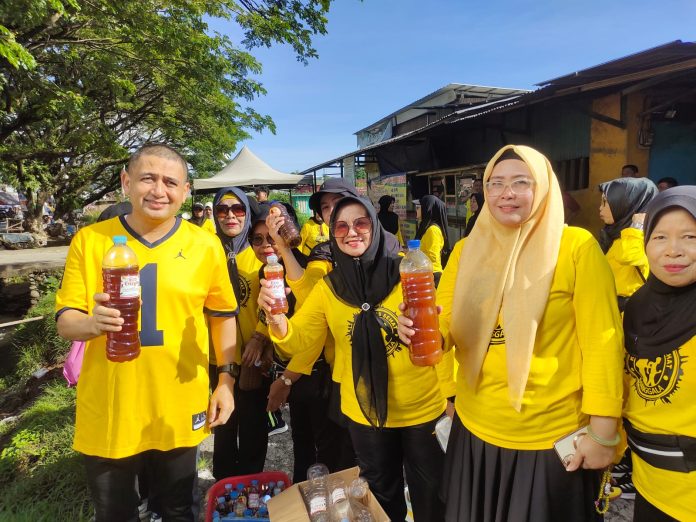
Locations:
(19, 262)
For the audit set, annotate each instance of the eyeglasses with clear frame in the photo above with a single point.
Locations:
(518, 187)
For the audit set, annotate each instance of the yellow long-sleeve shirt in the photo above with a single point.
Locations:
(660, 400)
(576, 365)
(414, 395)
(432, 244)
(312, 234)
(628, 261)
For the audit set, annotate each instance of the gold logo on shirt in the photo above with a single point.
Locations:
(244, 290)
(388, 323)
(498, 336)
(656, 379)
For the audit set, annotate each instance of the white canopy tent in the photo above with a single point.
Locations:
(245, 169)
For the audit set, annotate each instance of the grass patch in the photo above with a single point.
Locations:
(41, 477)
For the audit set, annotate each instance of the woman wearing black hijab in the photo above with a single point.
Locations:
(476, 201)
(432, 231)
(241, 443)
(392, 405)
(622, 209)
(388, 218)
(660, 336)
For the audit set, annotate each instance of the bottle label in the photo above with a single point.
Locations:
(317, 505)
(253, 500)
(337, 495)
(277, 288)
(130, 286)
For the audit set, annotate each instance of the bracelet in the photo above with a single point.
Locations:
(637, 226)
(608, 443)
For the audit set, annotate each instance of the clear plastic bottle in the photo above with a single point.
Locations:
(253, 495)
(418, 286)
(274, 273)
(288, 230)
(317, 503)
(221, 506)
(338, 497)
(358, 490)
(361, 513)
(121, 279)
(317, 474)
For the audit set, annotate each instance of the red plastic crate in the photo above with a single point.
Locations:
(218, 489)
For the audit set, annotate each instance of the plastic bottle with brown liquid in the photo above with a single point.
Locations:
(121, 278)
(288, 230)
(274, 273)
(418, 286)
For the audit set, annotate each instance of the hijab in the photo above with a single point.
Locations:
(472, 220)
(433, 212)
(660, 318)
(625, 197)
(389, 220)
(233, 245)
(364, 282)
(520, 263)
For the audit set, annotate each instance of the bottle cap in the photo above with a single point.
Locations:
(272, 259)
(221, 500)
(120, 240)
(254, 482)
(413, 244)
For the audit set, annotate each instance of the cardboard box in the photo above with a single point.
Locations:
(289, 506)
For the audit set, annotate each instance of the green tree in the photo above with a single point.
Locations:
(84, 82)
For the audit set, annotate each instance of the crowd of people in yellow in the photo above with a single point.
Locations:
(549, 336)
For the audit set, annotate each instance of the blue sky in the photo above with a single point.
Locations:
(380, 55)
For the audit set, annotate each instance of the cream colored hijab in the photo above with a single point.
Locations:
(508, 269)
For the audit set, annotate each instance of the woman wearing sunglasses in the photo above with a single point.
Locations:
(240, 445)
(530, 308)
(392, 405)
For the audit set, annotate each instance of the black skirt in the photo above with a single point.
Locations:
(486, 483)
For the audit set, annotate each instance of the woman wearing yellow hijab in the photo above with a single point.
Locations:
(530, 307)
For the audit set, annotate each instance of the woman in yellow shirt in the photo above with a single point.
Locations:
(660, 326)
(432, 230)
(530, 308)
(392, 405)
(622, 209)
(313, 232)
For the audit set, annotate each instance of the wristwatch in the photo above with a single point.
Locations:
(232, 369)
(286, 380)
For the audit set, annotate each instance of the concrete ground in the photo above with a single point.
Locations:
(17, 262)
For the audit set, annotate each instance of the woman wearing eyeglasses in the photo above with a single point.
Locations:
(530, 308)
(392, 405)
(240, 445)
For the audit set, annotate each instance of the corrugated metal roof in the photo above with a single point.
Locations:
(666, 54)
(474, 91)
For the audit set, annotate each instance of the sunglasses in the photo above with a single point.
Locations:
(237, 209)
(361, 225)
(258, 240)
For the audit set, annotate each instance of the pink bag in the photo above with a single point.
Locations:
(73, 363)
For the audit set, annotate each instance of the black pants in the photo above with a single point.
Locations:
(384, 454)
(345, 454)
(315, 437)
(241, 443)
(644, 511)
(171, 478)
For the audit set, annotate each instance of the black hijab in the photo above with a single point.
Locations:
(660, 318)
(472, 220)
(625, 197)
(365, 282)
(233, 245)
(389, 220)
(433, 212)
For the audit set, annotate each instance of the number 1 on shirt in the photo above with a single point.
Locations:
(149, 334)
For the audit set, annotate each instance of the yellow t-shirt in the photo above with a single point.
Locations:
(303, 286)
(414, 395)
(660, 399)
(209, 226)
(248, 267)
(312, 234)
(576, 366)
(628, 261)
(158, 400)
(432, 244)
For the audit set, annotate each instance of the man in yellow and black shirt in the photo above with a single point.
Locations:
(149, 414)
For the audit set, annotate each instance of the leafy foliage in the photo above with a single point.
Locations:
(86, 81)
